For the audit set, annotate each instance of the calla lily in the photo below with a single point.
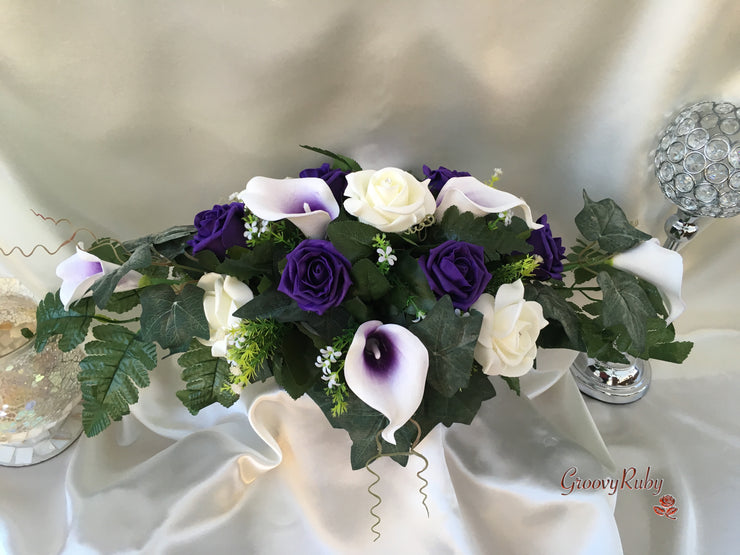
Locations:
(81, 270)
(386, 367)
(307, 202)
(470, 195)
(659, 266)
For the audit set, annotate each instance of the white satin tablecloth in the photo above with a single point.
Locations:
(129, 117)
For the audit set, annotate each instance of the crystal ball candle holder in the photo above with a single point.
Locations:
(39, 393)
(697, 161)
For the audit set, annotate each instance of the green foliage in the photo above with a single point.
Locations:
(450, 341)
(513, 384)
(606, 223)
(206, 379)
(103, 287)
(116, 364)
(169, 243)
(351, 238)
(173, 319)
(344, 163)
(72, 324)
(123, 301)
(294, 370)
(369, 281)
(556, 308)
(625, 303)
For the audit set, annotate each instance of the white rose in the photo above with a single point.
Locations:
(223, 296)
(389, 199)
(507, 343)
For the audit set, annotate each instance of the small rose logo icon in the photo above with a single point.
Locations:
(666, 507)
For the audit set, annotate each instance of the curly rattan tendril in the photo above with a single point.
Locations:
(44, 247)
(380, 454)
(420, 228)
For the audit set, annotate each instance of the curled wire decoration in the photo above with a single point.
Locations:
(411, 451)
(419, 228)
(38, 246)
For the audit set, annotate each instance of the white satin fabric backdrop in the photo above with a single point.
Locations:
(127, 118)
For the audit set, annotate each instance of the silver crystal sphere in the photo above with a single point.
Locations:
(697, 161)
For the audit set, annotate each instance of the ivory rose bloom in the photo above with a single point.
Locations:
(507, 340)
(223, 296)
(390, 199)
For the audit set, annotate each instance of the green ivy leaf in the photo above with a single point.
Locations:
(471, 229)
(271, 304)
(170, 243)
(513, 384)
(110, 250)
(72, 324)
(115, 365)
(461, 407)
(554, 307)
(363, 423)
(369, 281)
(206, 379)
(625, 303)
(123, 302)
(103, 288)
(351, 238)
(171, 319)
(605, 222)
(244, 264)
(344, 163)
(295, 370)
(450, 341)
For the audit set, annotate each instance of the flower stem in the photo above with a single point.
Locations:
(102, 318)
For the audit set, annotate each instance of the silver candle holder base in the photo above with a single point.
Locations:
(612, 382)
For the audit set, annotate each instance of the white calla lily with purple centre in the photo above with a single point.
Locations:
(81, 270)
(306, 202)
(386, 367)
(470, 195)
(661, 267)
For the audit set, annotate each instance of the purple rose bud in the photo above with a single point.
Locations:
(316, 276)
(439, 177)
(219, 229)
(548, 248)
(335, 179)
(457, 269)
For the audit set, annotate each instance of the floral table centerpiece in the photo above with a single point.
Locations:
(387, 299)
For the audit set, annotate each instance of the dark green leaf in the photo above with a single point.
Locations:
(103, 288)
(353, 239)
(466, 227)
(244, 264)
(72, 324)
(661, 345)
(626, 304)
(344, 163)
(369, 281)
(554, 307)
(115, 365)
(450, 341)
(513, 384)
(599, 341)
(271, 304)
(461, 407)
(170, 243)
(171, 319)
(206, 379)
(123, 301)
(297, 373)
(605, 222)
(110, 250)
(27, 333)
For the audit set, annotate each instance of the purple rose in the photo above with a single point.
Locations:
(548, 248)
(335, 179)
(219, 229)
(457, 269)
(316, 276)
(439, 177)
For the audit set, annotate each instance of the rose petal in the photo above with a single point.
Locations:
(306, 202)
(659, 266)
(386, 367)
(470, 195)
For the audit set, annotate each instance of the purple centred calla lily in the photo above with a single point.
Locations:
(336, 179)
(457, 269)
(440, 176)
(306, 202)
(549, 249)
(219, 229)
(386, 367)
(81, 270)
(316, 276)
